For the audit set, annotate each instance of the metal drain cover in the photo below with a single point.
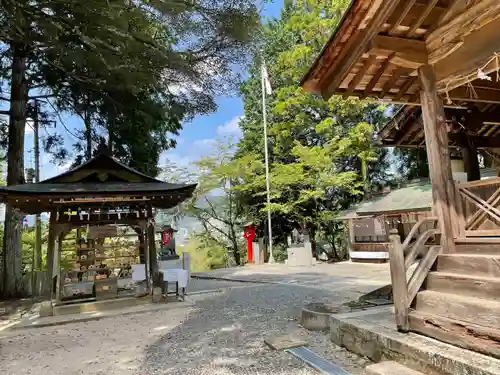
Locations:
(316, 362)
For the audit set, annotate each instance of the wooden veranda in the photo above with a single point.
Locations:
(441, 60)
(99, 193)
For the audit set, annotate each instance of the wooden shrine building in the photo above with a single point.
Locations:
(99, 194)
(440, 59)
(470, 132)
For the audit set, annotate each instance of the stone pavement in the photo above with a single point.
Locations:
(354, 277)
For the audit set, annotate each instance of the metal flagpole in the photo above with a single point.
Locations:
(266, 87)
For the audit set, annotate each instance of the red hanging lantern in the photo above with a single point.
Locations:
(165, 237)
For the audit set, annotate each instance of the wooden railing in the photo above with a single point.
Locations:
(401, 258)
(479, 208)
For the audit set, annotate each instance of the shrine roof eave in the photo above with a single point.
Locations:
(36, 198)
(378, 46)
(83, 189)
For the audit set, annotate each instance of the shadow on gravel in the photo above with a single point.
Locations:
(224, 334)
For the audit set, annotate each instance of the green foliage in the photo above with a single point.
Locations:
(411, 163)
(322, 154)
(206, 254)
(132, 70)
(215, 202)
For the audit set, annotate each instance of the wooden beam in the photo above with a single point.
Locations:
(359, 75)
(460, 25)
(436, 140)
(479, 141)
(357, 46)
(458, 96)
(456, 7)
(408, 53)
(465, 44)
(479, 95)
(376, 76)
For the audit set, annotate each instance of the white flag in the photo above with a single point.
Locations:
(265, 77)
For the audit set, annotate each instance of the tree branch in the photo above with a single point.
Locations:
(48, 96)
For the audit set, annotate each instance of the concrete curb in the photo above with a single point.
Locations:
(83, 319)
(314, 320)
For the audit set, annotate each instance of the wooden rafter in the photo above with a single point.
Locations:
(404, 13)
(360, 74)
(377, 75)
(456, 7)
(391, 82)
(416, 124)
(360, 42)
(406, 86)
(421, 19)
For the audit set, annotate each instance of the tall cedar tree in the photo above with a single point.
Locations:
(122, 65)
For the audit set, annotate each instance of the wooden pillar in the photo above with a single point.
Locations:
(57, 265)
(350, 230)
(471, 163)
(153, 264)
(436, 141)
(50, 254)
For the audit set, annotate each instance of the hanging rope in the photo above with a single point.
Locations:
(478, 74)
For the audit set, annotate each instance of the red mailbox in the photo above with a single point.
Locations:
(250, 234)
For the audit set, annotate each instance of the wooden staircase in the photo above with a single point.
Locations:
(460, 299)
(451, 297)
(453, 294)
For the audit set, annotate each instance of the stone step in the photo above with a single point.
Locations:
(474, 286)
(462, 334)
(373, 334)
(470, 264)
(464, 308)
(390, 368)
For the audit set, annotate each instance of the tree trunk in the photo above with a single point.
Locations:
(12, 277)
(234, 242)
(236, 254)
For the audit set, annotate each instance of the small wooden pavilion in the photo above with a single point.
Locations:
(101, 194)
(439, 58)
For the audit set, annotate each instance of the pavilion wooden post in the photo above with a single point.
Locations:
(57, 265)
(471, 163)
(350, 229)
(153, 264)
(436, 141)
(50, 254)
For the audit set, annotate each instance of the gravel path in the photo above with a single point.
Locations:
(221, 335)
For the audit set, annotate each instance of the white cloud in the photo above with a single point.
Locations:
(203, 144)
(231, 128)
(175, 159)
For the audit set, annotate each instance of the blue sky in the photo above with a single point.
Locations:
(195, 138)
